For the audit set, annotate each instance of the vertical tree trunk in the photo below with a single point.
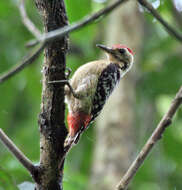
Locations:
(115, 126)
(51, 119)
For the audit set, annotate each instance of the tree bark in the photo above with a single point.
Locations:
(115, 127)
(51, 118)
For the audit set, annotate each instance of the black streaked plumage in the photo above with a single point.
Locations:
(106, 84)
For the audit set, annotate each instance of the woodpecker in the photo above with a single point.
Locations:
(91, 86)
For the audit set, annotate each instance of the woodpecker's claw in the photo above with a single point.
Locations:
(67, 74)
(66, 82)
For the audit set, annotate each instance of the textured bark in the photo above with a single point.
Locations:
(115, 126)
(51, 119)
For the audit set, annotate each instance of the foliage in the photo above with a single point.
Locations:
(160, 77)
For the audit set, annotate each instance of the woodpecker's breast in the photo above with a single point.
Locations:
(106, 84)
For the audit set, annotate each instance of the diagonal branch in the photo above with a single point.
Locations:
(27, 61)
(47, 37)
(26, 21)
(157, 134)
(16, 152)
(57, 34)
(168, 27)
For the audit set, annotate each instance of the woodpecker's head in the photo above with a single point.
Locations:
(119, 54)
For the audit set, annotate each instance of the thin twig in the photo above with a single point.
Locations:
(16, 152)
(27, 22)
(27, 61)
(168, 28)
(157, 134)
(47, 37)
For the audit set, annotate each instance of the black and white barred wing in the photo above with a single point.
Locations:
(105, 86)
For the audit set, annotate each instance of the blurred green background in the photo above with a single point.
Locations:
(21, 95)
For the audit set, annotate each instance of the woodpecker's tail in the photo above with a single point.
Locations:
(72, 140)
(69, 141)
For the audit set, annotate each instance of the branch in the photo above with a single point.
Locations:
(51, 119)
(27, 22)
(168, 28)
(47, 37)
(157, 134)
(27, 61)
(57, 34)
(16, 152)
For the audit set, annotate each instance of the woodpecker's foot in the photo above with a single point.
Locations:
(76, 95)
(71, 90)
(66, 82)
(67, 74)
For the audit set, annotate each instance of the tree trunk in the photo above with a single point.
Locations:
(51, 119)
(115, 127)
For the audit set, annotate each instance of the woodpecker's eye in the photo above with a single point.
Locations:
(122, 51)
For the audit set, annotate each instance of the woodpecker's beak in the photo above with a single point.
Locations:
(105, 48)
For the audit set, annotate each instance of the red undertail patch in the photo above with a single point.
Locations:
(76, 121)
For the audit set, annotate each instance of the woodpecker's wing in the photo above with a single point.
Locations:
(107, 81)
(86, 71)
(86, 86)
(84, 83)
